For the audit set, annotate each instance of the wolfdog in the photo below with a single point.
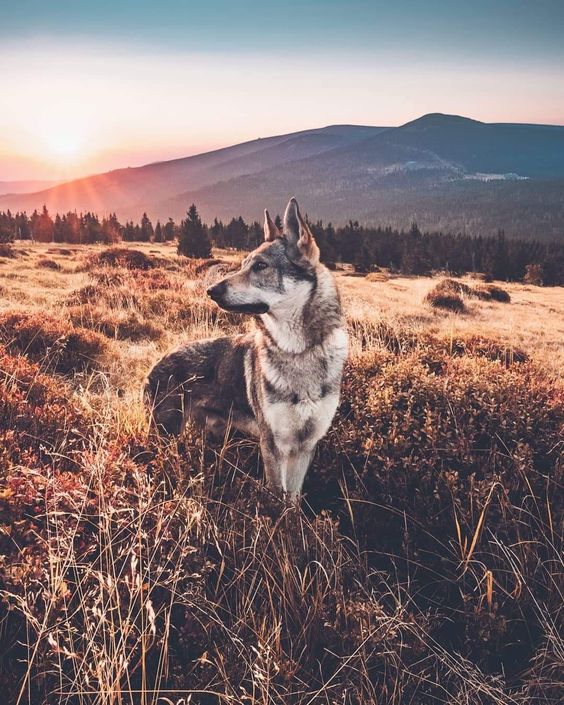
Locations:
(280, 383)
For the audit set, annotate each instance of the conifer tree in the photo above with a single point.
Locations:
(146, 234)
(169, 230)
(194, 240)
(43, 226)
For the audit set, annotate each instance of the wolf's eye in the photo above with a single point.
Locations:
(257, 266)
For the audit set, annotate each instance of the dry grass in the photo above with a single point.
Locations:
(533, 321)
(425, 565)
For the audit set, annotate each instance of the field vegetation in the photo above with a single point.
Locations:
(424, 564)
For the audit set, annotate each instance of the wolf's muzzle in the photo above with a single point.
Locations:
(217, 292)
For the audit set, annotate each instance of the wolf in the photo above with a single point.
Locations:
(281, 383)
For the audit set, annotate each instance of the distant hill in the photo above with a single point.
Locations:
(11, 187)
(444, 171)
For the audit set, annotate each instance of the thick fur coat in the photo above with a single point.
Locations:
(280, 383)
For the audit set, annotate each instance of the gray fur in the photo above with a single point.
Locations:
(280, 383)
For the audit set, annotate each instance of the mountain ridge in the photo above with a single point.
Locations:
(440, 169)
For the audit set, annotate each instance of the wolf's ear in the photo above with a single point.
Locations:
(298, 235)
(271, 232)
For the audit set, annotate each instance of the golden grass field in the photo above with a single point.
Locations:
(424, 565)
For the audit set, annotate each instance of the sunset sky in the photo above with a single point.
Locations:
(89, 86)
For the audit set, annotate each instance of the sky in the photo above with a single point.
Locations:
(91, 86)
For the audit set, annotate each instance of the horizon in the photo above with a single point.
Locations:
(92, 89)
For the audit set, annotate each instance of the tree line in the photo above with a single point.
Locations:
(365, 248)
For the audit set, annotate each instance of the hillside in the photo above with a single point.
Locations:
(127, 191)
(443, 171)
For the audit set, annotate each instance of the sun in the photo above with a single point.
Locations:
(64, 146)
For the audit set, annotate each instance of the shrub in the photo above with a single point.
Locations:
(448, 302)
(377, 277)
(56, 344)
(491, 292)
(481, 276)
(178, 311)
(373, 332)
(482, 293)
(64, 251)
(113, 297)
(121, 325)
(6, 250)
(49, 264)
(38, 421)
(451, 286)
(489, 348)
(432, 350)
(123, 257)
(449, 293)
(534, 274)
(498, 294)
(423, 566)
(110, 277)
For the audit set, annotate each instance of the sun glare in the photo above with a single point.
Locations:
(64, 147)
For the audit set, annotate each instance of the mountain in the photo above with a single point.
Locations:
(11, 187)
(126, 191)
(444, 171)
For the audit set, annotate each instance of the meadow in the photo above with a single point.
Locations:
(424, 564)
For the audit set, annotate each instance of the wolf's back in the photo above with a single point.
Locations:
(203, 374)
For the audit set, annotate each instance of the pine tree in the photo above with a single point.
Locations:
(22, 227)
(92, 229)
(43, 226)
(236, 233)
(217, 233)
(129, 231)
(325, 238)
(111, 229)
(58, 229)
(7, 228)
(194, 240)
(255, 235)
(415, 259)
(169, 230)
(158, 232)
(146, 229)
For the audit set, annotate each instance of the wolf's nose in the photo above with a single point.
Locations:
(215, 292)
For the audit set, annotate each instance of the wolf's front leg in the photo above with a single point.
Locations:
(296, 469)
(273, 465)
(285, 469)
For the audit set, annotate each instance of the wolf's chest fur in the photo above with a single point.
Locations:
(295, 395)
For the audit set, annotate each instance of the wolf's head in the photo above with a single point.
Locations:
(278, 275)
